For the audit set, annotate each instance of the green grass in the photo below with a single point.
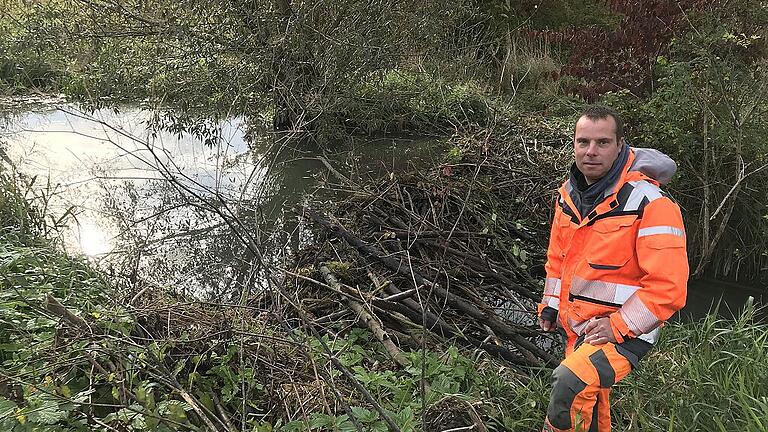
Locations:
(711, 375)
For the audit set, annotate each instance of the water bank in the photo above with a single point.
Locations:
(728, 298)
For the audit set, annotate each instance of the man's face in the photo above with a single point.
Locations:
(595, 147)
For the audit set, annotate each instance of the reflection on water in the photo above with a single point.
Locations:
(92, 240)
(133, 192)
(83, 161)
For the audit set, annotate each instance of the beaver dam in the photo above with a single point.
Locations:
(441, 254)
(399, 301)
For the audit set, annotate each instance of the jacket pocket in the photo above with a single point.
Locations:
(604, 266)
(594, 304)
(581, 310)
(612, 243)
(565, 228)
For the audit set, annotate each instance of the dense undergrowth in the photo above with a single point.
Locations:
(78, 354)
(704, 376)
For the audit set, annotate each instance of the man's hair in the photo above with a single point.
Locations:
(599, 112)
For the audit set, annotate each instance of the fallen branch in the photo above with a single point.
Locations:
(369, 321)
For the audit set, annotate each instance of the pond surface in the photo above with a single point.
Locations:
(116, 180)
(728, 298)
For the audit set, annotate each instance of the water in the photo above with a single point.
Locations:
(92, 165)
(130, 195)
(728, 298)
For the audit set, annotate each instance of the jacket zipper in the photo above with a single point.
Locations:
(572, 297)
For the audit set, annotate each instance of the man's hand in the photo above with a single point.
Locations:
(598, 331)
(546, 325)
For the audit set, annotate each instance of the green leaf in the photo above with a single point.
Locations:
(294, 426)
(365, 415)
(346, 426)
(6, 407)
(152, 422)
(319, 421)
(49, 412)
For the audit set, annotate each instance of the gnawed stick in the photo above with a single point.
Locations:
(379, 332)
(369, 321)
(332, 317)
(222, 413)
(53, 306)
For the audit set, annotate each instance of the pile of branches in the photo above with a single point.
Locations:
(454, 253)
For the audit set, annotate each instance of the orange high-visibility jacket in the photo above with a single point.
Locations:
(625, 260)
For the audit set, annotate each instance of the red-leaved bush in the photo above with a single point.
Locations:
(623, 57)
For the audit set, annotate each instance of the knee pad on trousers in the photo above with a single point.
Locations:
(565, 386)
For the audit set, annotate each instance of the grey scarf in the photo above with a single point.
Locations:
(587, 197)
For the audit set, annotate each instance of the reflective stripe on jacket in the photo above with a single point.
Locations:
(625, 260)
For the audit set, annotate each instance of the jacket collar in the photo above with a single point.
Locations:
(609, 197)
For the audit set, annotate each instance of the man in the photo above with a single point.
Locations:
(616, 268)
